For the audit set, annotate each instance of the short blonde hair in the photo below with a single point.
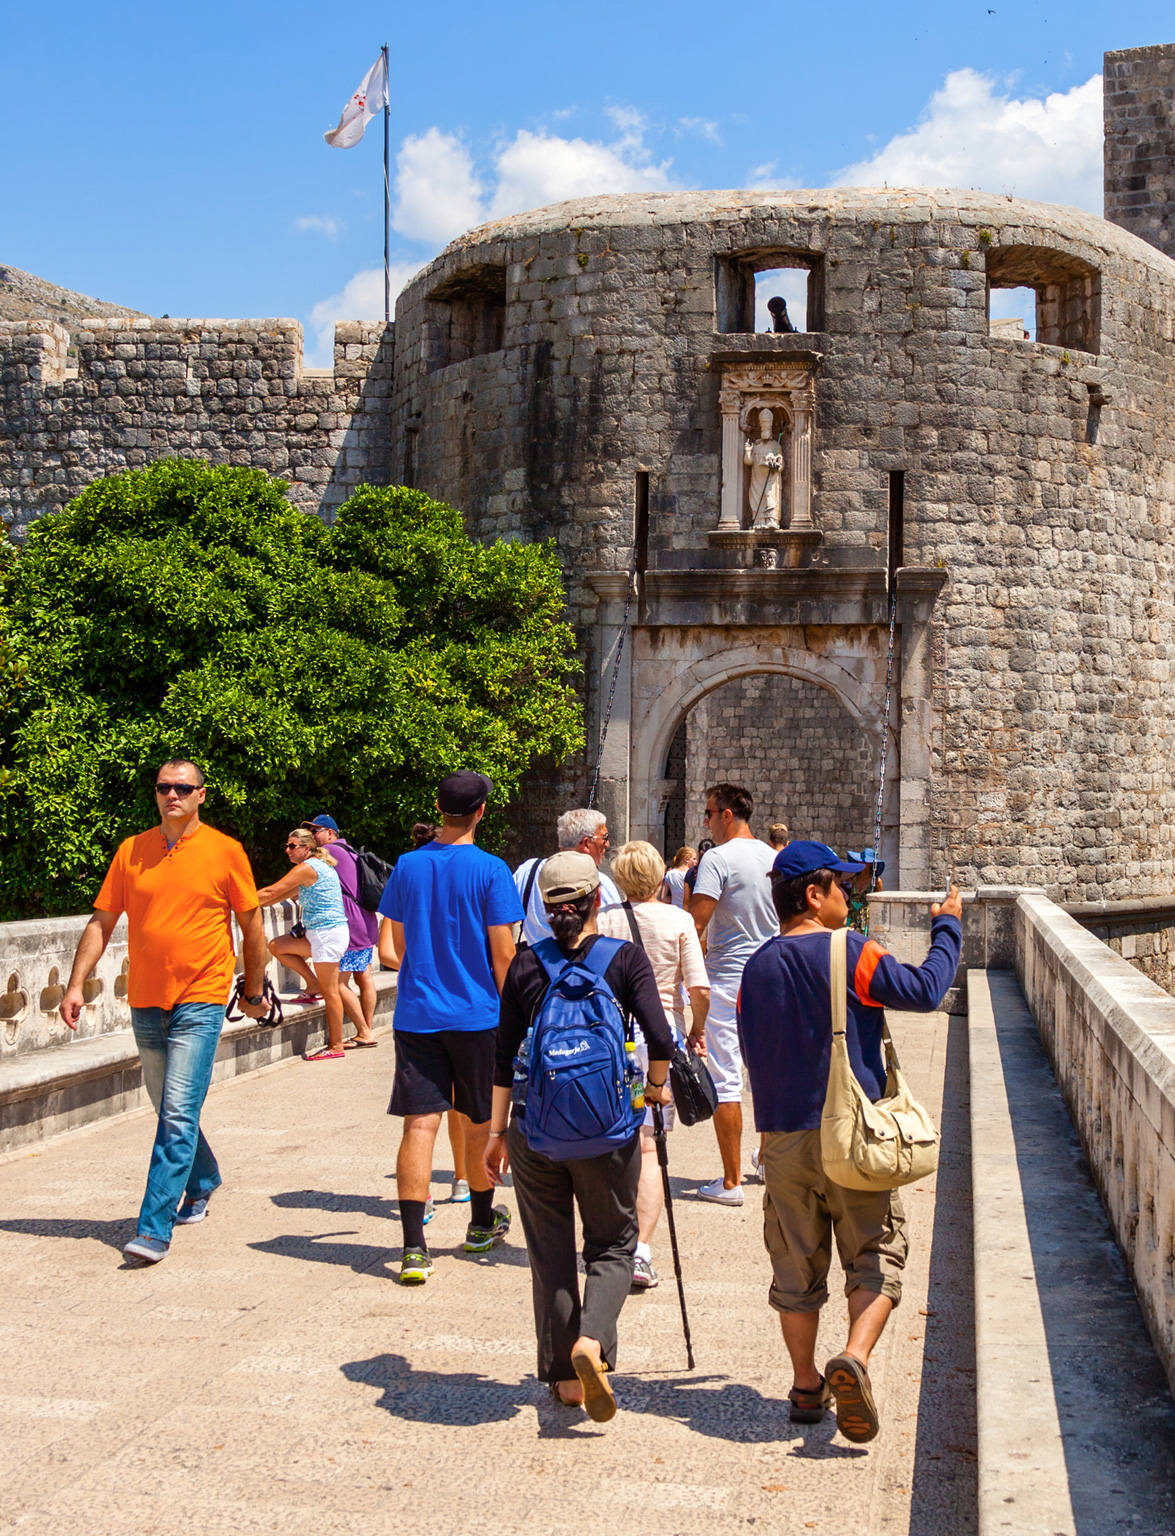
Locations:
(305, 839)
(639, 870)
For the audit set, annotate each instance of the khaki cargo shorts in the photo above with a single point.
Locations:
(802, 1210)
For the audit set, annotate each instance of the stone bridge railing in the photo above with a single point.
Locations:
(35, 961)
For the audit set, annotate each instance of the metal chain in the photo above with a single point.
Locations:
(612, 689)
(893, 609)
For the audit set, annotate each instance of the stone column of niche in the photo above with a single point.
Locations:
(730, 517)
(803, 404)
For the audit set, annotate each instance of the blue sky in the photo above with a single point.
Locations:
(171, 158)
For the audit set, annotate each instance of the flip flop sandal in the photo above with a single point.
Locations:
(809, 1407)
(856, 1412)
(598, 1400)
(360, 1045)
(325, 1054)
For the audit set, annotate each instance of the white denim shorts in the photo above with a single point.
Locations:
(724, 1057)
(329, 944)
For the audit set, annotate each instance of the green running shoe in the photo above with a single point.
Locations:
(415, 1266)
(482, 1239)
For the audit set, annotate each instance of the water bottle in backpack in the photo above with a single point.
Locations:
(579, 1096)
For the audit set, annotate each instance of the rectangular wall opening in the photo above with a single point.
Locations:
(746, 284)
(469, 314)
(640, 534)
(1067, 290)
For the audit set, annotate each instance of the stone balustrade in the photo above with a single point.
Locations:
(35, 962)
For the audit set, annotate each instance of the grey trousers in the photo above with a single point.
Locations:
(604, 1188)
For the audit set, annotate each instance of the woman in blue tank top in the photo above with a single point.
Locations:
(314, 883)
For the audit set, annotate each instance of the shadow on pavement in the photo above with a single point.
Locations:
(729, 1410)
(113, 1233)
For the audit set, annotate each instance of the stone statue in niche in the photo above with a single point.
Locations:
(764, 457)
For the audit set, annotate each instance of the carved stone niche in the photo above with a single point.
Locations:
(785, 389)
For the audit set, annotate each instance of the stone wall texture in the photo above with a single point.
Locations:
(797, 751)
(1139, 94)
(542, 364)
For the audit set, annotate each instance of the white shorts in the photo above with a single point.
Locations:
(723, 1054)
(329, 944)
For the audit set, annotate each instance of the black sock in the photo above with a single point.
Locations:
(412, 1220)
(481, 1207)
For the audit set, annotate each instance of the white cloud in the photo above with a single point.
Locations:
(704, 127)
(437, 193)
(539, 168)
(328, 227)
(971, 135)
(360, 299)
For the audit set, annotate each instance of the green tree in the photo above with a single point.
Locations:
(182, 609)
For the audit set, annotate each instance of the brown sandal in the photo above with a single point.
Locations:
(810, 1406)
(598, 1401)
(856, 1412)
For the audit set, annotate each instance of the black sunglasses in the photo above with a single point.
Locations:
(182, 790)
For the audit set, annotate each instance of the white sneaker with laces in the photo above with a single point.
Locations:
(719, 1194)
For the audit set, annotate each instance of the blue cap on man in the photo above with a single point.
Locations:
(328, 822)
(805, 858)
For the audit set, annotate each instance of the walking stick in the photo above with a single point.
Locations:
(663, 1159)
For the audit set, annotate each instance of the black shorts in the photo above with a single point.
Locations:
(451, 1069)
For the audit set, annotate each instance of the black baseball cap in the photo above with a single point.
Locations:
(462, 792)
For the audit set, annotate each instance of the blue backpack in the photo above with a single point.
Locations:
(578, 1102)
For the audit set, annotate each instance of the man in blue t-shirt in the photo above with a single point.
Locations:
(785, 1026)
(450, 911)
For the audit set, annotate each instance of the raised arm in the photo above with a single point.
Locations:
(91, 947)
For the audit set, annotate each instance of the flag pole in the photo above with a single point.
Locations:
(387, 193)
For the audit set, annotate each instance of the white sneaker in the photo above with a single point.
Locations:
(719, 1194)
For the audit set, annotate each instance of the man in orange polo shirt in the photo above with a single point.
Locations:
(177, 885)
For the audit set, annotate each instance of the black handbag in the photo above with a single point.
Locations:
(695, 1097)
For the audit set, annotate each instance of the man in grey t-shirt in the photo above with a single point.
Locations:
(733, 910)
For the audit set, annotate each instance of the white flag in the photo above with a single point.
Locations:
(370, 98)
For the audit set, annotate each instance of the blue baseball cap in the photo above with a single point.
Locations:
(328, 822)
(805, 858)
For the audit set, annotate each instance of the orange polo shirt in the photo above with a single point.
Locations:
(177, 902)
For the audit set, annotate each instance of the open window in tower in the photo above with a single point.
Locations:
(772, 290)
(1041, 295)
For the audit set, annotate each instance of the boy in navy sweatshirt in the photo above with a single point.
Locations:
(785, 1027)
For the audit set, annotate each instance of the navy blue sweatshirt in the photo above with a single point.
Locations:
(785, 1016)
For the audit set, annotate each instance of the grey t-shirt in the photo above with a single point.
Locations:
(736, 875)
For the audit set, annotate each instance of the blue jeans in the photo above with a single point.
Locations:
(177, 1047)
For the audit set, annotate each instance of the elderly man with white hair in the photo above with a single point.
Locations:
(579, 831)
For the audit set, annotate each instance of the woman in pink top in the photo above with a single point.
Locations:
(670, 940)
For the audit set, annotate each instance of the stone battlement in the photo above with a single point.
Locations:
(116, 393)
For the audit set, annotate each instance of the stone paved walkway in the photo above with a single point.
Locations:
(271, 1375)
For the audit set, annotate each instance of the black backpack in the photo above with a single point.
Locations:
(371, 875)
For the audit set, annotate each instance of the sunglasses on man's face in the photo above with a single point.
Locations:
(182, 790)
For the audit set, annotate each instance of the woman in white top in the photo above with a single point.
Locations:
(673, 886)
(670, 940)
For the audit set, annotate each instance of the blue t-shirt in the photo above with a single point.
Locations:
(447, 895)
(785, 1016)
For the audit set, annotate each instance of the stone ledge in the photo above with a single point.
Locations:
(63, 1087)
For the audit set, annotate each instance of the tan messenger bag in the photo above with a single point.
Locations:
(865, 1145)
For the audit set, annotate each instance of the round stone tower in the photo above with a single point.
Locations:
(749, 506)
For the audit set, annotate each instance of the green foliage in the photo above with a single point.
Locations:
(185, 610)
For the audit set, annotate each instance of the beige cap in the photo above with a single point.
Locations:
(566, 877)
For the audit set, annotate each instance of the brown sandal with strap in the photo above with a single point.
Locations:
(810, 1406)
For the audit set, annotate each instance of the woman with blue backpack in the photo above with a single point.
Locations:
(566, 1060)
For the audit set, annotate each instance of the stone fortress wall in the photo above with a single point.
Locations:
(567, 374)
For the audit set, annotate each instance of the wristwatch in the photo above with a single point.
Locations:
(254, 1002)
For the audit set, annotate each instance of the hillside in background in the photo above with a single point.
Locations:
(25, 297)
